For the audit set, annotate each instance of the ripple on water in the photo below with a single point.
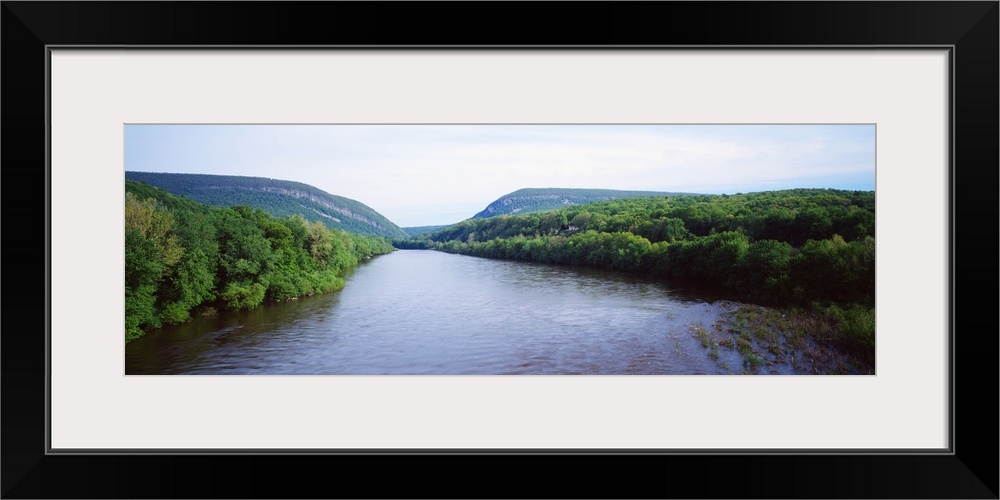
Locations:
(425, 312)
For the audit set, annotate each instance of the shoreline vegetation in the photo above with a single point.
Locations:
(796, 268)
(820, 340)
(183, 257)
(808, 255)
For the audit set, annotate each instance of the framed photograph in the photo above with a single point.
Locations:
(916, 82)
(395, 276)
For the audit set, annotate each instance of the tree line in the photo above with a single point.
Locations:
(181, 255)
(778, 247)
(531, 200)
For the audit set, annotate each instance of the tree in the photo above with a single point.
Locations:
(192, 281)
(764, 271)
(143, 269)
(552, 222)
(725, 252)
(151, 251)
(245, 257)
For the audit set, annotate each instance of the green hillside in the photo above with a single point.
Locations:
(780, 246)
(418, 230)
(809, 253)
(526, 201)
(276, 197)
(184, 259)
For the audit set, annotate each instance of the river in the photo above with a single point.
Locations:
(428, 312)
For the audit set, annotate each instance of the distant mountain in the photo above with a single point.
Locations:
(417, 230)
(526, 201)
(276, 197)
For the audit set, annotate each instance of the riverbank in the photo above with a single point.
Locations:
(822, 341)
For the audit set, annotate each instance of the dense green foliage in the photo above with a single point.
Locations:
(276, 197)
(781, 247)
(418, 230)
(180, 255)
(531, 200)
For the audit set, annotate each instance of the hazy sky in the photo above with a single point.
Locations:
(418, 175)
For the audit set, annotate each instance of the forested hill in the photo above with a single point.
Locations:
(276, 197)
(184, 258)
(418, 230)
(782, 247)
(810, 252)
(526, 201)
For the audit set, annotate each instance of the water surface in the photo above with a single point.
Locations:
(428, 312)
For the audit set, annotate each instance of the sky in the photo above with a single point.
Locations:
(420, 175)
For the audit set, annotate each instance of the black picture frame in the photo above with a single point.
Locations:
(970, 470)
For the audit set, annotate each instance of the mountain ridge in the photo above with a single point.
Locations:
(531, 200)
(275, 196)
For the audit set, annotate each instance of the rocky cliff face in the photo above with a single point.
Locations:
(324, 203)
